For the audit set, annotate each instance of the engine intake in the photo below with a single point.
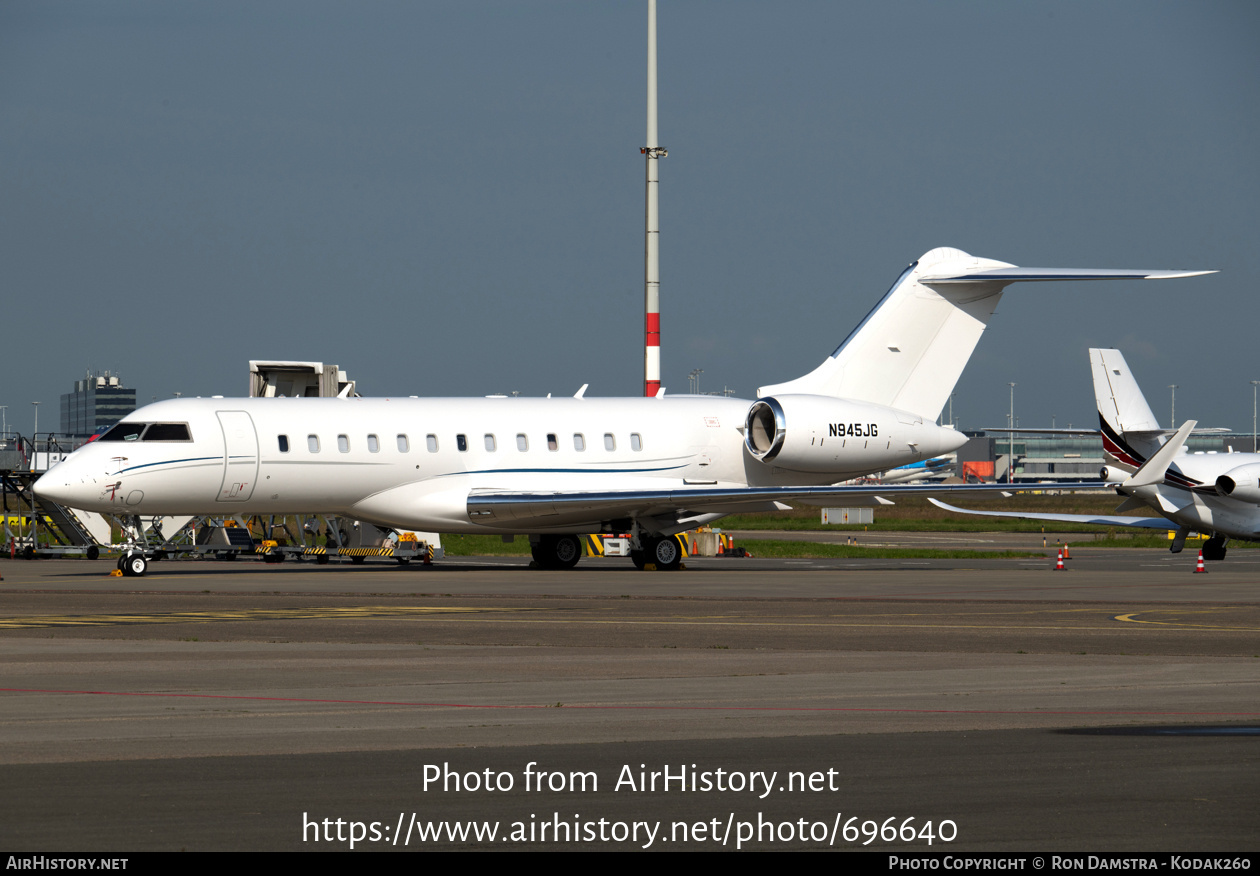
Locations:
(765, 429)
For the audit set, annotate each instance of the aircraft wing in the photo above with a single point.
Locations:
(1095, 519)
(551, 509)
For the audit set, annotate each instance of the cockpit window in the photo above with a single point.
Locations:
(124, 432)
(167, 432)
(148, 432)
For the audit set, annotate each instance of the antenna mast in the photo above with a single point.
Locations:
(652, 235)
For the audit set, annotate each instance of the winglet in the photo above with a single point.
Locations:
(1152, 472)
(581, 392)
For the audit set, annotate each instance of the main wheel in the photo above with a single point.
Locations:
(666, 552)
(557, 551)
(639, 558)
(134, 565)
(1214, 548)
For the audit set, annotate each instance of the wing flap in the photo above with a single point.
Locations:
(495, 508)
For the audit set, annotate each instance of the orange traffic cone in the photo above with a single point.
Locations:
(1067, 553)
(1058, 567)
(1198, 567)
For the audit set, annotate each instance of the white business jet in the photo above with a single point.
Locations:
(1216, 493)
(552, 468)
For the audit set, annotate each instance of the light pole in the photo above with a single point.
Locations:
(4, 422)
(1010, 459)
(1254, 384)
(694, 379)
(1172, 414)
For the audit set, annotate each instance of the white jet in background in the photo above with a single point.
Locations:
(1217, 493)
(553, 468)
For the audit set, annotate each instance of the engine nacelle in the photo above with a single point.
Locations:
(813, 433)
(1242, 483)
(1114, 474)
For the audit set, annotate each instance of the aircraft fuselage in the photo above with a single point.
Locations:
(412, 462)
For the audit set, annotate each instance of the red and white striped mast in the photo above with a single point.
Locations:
(652, 237)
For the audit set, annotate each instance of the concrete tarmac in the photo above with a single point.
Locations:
(1113, 706)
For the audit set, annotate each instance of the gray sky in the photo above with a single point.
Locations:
(447, 198)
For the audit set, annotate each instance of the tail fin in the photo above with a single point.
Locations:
(1130, 432)
(910, 350)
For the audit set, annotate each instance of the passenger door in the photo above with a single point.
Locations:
(240, 456)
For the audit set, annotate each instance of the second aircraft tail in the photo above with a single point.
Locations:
(1130, 431)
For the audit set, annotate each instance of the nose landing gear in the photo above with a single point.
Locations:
(133, 564)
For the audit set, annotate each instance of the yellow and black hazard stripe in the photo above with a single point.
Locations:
(367, 552)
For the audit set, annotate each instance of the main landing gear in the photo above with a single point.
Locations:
(1214, 548)
(663, 551)
(556, 551)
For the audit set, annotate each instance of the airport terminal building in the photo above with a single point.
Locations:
(98, 400)
(1066, 457)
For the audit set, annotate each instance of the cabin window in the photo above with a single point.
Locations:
(403, 444)
(312, 443)
(374, 446)
(167, 432)
(636, 443)
(461, 442)
(489, 442)
(431, 442)
(522, 443)
(343, 443)
(552, 444)
(610, 443)
(579, 443)
(283, 441)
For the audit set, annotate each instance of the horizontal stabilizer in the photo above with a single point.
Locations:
(1097, 520)
(1153, 470)
(1015, 275)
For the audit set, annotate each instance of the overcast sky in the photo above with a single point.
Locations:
(447, 198)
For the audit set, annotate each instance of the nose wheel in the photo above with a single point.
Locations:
(133, 565)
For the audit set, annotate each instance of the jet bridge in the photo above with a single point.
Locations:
(286, 379)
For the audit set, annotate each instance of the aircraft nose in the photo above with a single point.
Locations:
(61, 485)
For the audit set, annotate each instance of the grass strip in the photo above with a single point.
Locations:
(776, 549)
